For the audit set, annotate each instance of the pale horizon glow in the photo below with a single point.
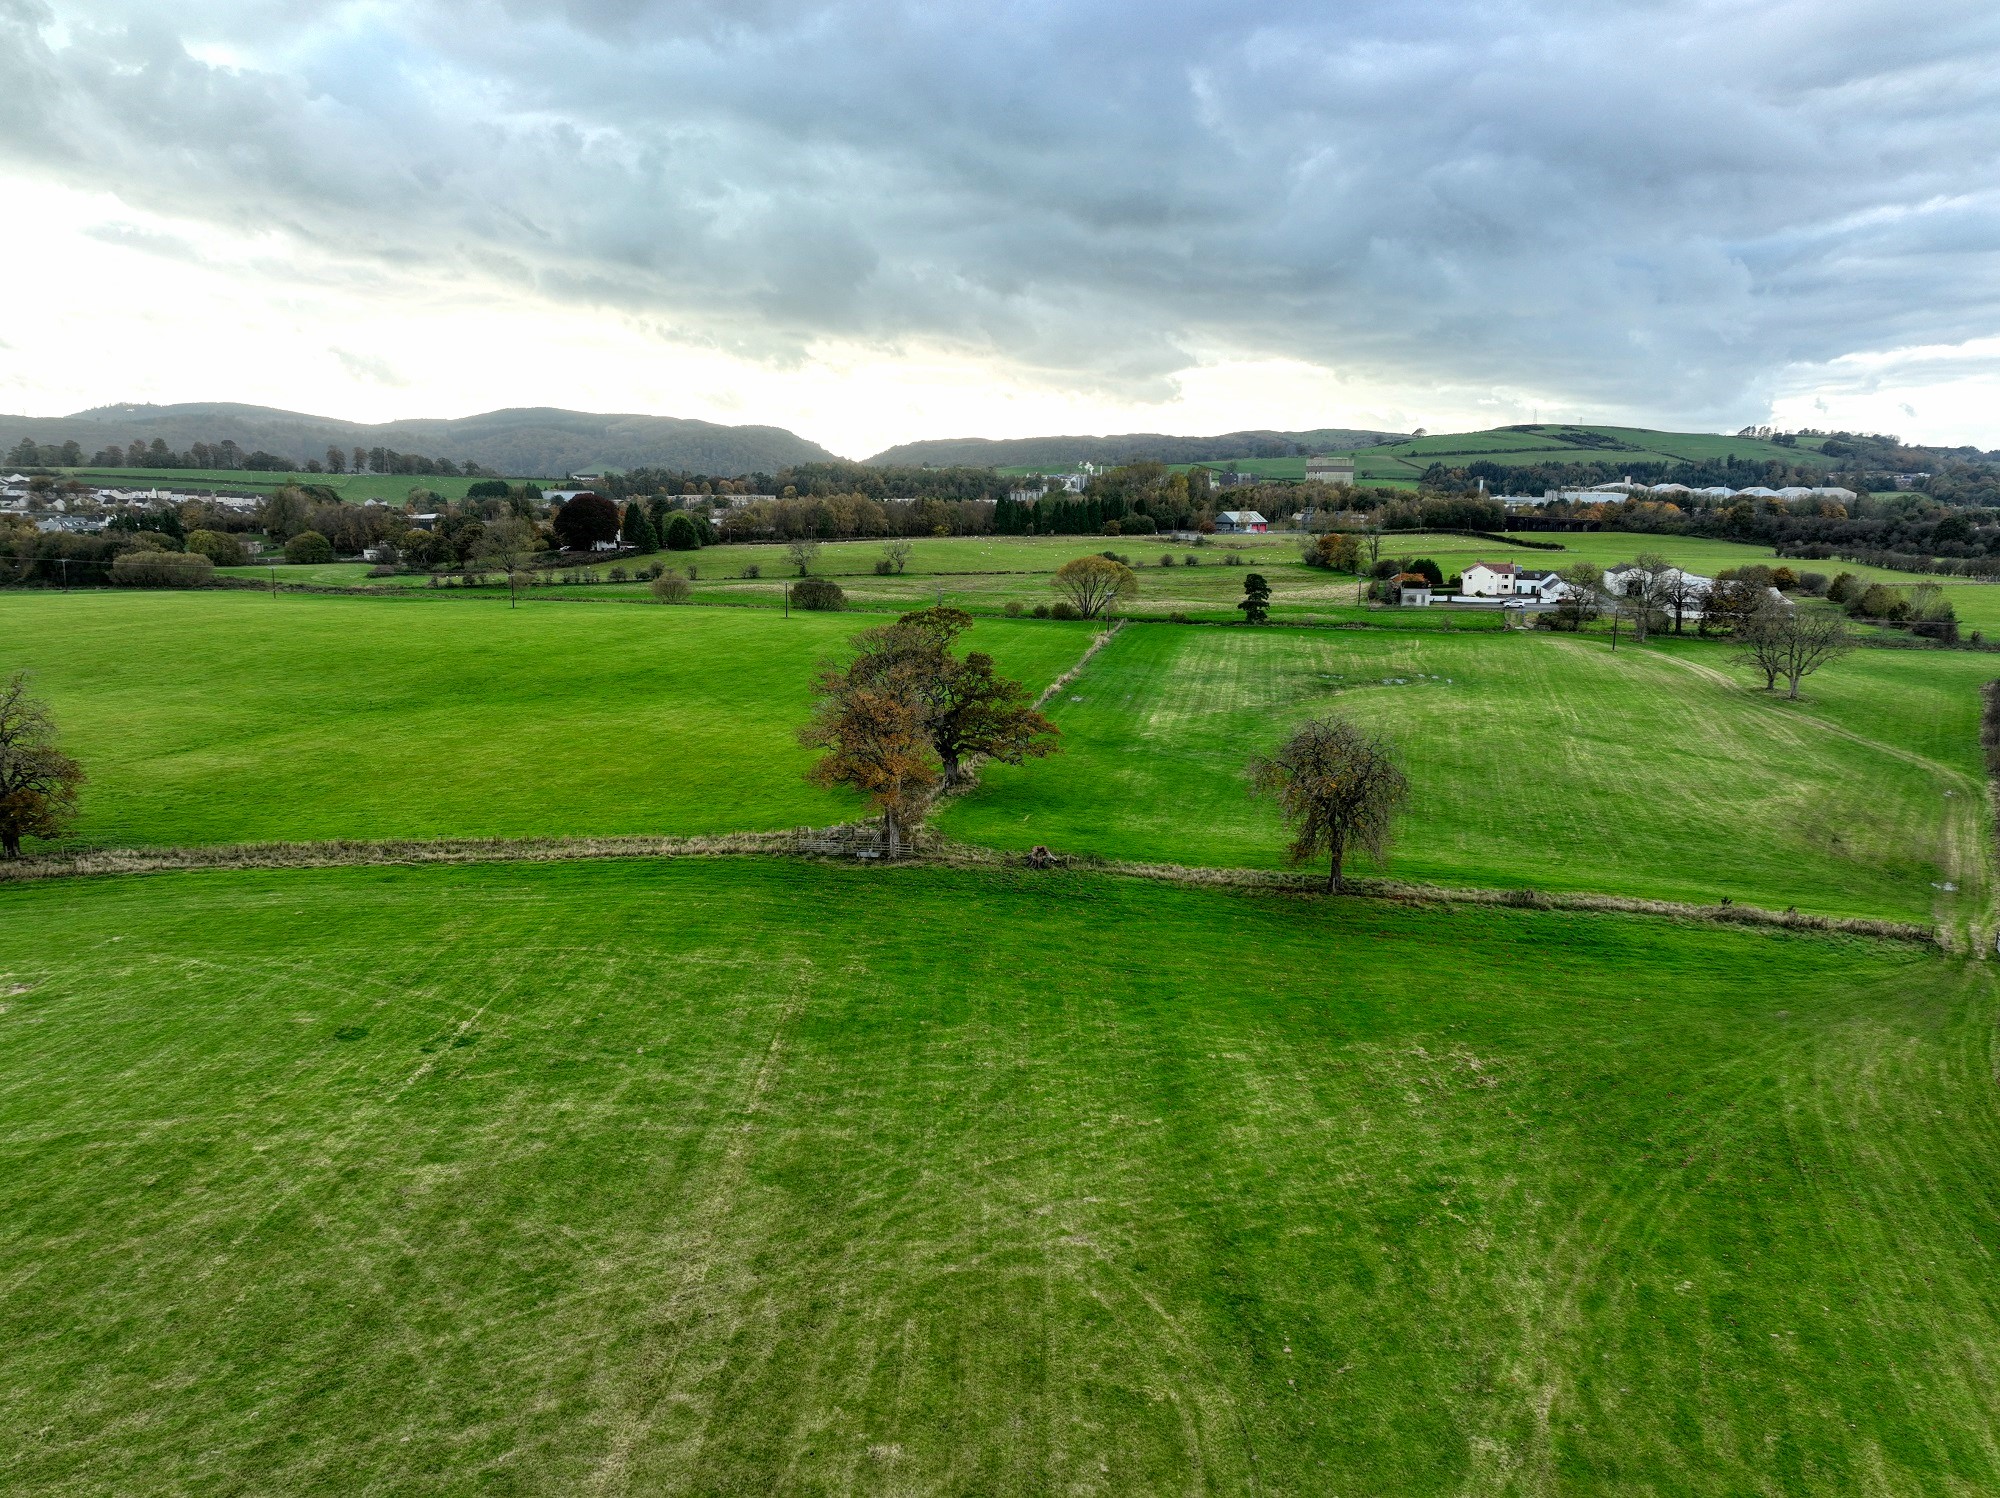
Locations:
(376, 213)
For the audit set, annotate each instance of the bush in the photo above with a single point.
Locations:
(1813, 583)
(821, 594)
(619, 575)
(308, 548)
(652, 570)
(1013, 609)
(1234, 559)
(224, 551)
(1041, 611)
(1177, 617)
(1843, 587)
(884, 567)
(1166, 559)
(1113, 528)
(752, 570)
(1138, 525)
(670, 588)
(1190, 560)
(162, 569)
(1064, 610)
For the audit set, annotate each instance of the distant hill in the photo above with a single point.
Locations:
(1405, 459)
(538, 442)
(1064, 452)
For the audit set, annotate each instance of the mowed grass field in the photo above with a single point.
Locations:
(747, 1177)
(1535, 761)
(226, 717)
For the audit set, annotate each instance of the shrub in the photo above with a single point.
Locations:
(1113, 528)
(1064, 610)
(752, 570)
(224, 551)
(1177, 617)
(162, 569)
(387, 569)
(1041, 611)
(884, 567)
(1190, 560)
(1138, 525)
(1013, 609)
(681, 533)
(1166, 559)
(1843, 587)
(671, 588)
(652, 570)
(308, 547)
(1234, 559)
(693, 572)
(619, 575)
(819, 593)
(1878, 602)
(1784, 579)
(1813, 583)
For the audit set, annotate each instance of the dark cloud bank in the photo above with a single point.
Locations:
(1630, 207)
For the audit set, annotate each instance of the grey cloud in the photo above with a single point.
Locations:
(1651, 207)
(365, 367)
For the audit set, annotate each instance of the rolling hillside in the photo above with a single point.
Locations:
(1407, 458)
(1064, 452)
(524, 442)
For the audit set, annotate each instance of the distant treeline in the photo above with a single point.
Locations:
(226, 456)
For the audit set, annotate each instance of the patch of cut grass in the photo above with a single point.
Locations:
(228, 717)
(752, 1177)
(1535, 762)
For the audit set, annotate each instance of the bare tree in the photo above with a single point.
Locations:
(1792, 643)
(1646, 588)
(1759, 632)
(506, 544)
(1337, 786)
(1094, 583)
(897, 555)
(803, 552)
(38, 783)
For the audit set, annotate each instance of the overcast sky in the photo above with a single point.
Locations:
(871, 222)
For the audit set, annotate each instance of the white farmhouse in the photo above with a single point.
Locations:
(1507, 580)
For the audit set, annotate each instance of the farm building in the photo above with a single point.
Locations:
(1330, 470)
(1238, 522)
(1508, 580)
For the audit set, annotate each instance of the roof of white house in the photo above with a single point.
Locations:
(1503, 567)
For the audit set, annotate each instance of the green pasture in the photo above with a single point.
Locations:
(352, 487)
(1535, 761)
(743, 1177)
(1545, 444)
(227, 716)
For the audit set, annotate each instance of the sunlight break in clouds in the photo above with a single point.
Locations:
(872, 222)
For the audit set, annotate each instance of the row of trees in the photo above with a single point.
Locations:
(226, 456)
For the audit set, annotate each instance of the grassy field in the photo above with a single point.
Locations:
(352, 487)
(220, 717)
(748, 1178)
(1536, 762)
(1550, 443)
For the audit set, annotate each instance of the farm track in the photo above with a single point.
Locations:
(858, 839)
